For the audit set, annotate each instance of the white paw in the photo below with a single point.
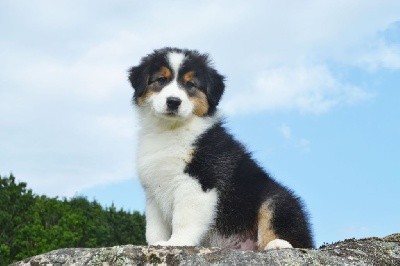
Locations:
(173, 243)
(162, 243)
(278, 244)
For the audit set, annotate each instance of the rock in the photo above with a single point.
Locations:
(369, 251)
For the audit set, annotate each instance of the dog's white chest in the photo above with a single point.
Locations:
(162, 157)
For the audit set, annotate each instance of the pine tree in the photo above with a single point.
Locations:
(31, 224)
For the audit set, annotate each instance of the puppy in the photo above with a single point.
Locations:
(202, 186)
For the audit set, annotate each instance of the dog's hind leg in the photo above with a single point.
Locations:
(266, 237)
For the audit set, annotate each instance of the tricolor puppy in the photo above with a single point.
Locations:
(202, 186)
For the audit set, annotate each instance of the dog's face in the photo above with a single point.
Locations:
(176, 84)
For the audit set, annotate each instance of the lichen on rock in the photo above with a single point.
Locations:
(368, 251)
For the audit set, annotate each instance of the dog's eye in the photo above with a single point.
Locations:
(190, 84)
(161, 80)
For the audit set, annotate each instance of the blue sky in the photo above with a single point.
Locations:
(312, 89)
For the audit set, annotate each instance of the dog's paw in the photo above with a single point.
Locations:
(278, 244)
(173, 243)
(162, 243)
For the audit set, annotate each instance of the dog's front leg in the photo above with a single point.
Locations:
(156, 228)
(194, 213)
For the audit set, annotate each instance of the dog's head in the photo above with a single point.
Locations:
(177, 84)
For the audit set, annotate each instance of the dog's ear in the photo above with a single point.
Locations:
(215, 88)
(139, 77)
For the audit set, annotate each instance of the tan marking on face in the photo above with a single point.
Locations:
(165, 72)
(200, 103)
(265, 231)
(150, 90)
(188, 76)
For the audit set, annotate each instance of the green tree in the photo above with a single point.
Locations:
(31, 224)
(126, 228)
(15, 201)
(94, 222)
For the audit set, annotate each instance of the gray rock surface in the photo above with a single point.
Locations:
(369, 251)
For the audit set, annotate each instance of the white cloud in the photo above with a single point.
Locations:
(379, 51)
(65, 113)
(61, 156)
(301, 144)
(120, 127)
(69, 122)
(383, 55)
(311, 89)
(295, 56)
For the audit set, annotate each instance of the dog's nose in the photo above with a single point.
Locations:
(173, 103)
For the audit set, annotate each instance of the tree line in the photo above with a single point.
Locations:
(31, 224)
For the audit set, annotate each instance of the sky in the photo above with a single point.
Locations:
(312, 89)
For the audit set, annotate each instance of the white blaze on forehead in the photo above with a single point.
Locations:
(173, 89)
(175, 61)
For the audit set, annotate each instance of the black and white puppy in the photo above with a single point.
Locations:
(202, 186)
